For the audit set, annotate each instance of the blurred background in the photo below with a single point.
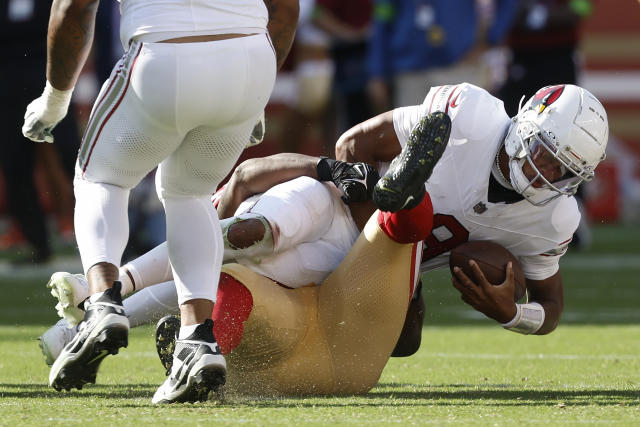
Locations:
(351, 60)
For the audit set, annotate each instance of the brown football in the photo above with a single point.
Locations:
(492, 260)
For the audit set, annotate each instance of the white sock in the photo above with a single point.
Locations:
(149, 269)
(185, 331)
(151, 304)
(127, 285)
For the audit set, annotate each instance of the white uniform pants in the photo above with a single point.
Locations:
(189, 108)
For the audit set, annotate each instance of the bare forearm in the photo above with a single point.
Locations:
(552, 312)
(256, 176)
(371, 141)
(283, 20)
(71, 27)
(550, 295)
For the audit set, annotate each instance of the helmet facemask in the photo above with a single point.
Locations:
(552, 172)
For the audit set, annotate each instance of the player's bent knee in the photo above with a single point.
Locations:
(408, 225)
(246, 233)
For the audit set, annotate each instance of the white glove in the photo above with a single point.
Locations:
(44, 113)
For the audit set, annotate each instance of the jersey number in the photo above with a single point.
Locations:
(447, 233)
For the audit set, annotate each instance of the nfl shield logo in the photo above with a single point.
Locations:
(480, 208)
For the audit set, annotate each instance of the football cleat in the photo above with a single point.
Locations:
(104, 330)
(71, 290)
(402, 187)
(198, 368)
(55, 339)
(166, 334)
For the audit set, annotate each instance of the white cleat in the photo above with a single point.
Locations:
(198, 369)
(55, 339)
(70, 290)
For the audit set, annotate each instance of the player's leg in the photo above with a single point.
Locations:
(370, 292)
(312, 232)
(220, 104)
(123, 142)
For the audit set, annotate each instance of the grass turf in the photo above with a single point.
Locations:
(468, 370)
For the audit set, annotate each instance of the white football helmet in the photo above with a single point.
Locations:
(558, 137)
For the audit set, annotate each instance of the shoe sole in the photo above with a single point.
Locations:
(208, 375)
(63, 291)
(74, 370)
(400, 187)
(166, 331)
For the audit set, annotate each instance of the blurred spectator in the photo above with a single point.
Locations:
(543, 50)
(348, 25)
(416, 44)
(307, 88)
(22, 37)
(543, 46)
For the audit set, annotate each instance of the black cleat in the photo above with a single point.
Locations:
(198, 368)
(104, 330)
(402, 187)
(166, 334)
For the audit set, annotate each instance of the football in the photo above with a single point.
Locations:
(492, 260)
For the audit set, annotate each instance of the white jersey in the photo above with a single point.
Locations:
(190, 17)
(458, 187)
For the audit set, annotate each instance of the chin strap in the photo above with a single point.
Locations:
(497, 172)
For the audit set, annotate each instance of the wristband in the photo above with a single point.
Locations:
(528, 319)
(324, 168)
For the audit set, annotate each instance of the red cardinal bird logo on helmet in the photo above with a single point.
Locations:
(545, 97)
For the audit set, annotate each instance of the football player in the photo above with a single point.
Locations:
(185, 97)
(506, 180)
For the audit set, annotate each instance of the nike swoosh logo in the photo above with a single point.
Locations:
(454, 103)
(363, 173)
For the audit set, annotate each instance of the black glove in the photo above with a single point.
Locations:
(354, 180)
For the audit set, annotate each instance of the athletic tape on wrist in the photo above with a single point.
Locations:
(57, 98)
(528, 319)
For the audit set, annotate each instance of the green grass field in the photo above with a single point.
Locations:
(468, 370)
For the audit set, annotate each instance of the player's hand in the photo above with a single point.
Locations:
(495, 301)
(44, 113)
(354, 180)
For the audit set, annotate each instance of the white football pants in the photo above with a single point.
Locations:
(189, 108)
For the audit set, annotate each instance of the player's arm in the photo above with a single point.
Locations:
(371, 141)
(257, 175)
(70, 34)
(71, 27)
(354, 180)
(540, 315)
(283, 20)
(550, 295)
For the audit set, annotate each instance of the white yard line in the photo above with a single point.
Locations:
(601, 262)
